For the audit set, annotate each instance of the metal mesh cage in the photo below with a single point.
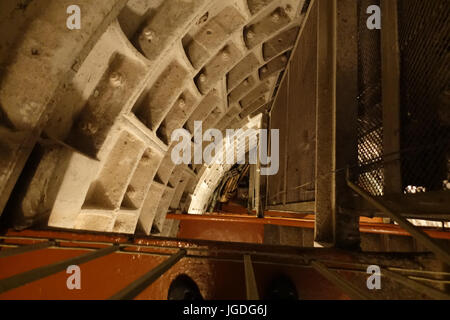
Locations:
(370, 111)
(424, 30)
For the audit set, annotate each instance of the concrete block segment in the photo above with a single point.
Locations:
(111, 94)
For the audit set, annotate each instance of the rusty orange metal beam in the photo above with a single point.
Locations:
(382, 228)
(301, 223)
(305, 222)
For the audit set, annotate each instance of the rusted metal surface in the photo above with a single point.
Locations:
(336, 279)
(325, 229)
(24, 249)
(391, 229)
(305, 221)
(135, 288)
(417, 233)
(45, 271)
(390, 83)
(232, 250)
(210, 263)
(415, 285)
(244, 219)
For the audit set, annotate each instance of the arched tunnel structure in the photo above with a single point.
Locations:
(90, 112)
(110, 112)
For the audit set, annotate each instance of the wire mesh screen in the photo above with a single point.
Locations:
(424, 30)
(370, 112)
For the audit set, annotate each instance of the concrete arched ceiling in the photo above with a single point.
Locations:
(105, 162)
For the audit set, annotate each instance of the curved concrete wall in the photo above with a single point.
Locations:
(114, 92)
